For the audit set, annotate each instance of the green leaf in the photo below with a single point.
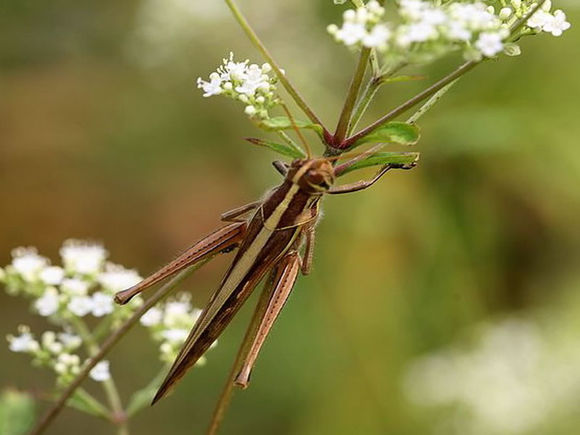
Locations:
(83, 401)
(392, 132)
(279, 123)
(143, 397)
(383, 158)
(17, 411)
(284, 149)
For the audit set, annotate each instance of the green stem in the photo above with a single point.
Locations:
(369, 93)
(351, 96)
(365, 100)
(108, 344)
(290, 142)
(463, 69)
(228, 390)
(432, 90)
(111, 392)
(430, 103)
(268, 57)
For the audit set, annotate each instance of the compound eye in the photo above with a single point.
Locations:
(315, 177)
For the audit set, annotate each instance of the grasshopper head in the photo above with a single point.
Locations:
(312, 175)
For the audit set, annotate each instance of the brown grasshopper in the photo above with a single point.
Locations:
(269, 235)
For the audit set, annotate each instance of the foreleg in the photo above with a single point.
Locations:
(365, 184)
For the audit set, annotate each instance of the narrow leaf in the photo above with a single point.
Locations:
(283, 123)
(83, 401)
(143, 397)
(392, 132)
(284, 149)
(403, 78)
(381, 159)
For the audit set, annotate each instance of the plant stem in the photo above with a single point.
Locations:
(369, 93)
(351, 96)
(268, 57)
(430, 103)
(108, 344)
(454, 75)
(366, 97)
(227, 392)
(113, 397)
(466, 67)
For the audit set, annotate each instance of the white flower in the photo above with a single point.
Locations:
(47, 305)
(83, 257)
(152, 317)
(116, 278)
(27, 263)
(52, 275)
(50, 343)
(377, 37)
(253, 80)
(25, 342)
(70, 341)
(241, 81)
(557, 24)
(351, 33)
(102, 304)
(458, 32)
(74, 287)
(67, 363)
(213, 87)
(505, 13)
(177, 308)
(490, 43)
(100, 372)
(539, 20)
(175, 335)
(80, 305)
(233, 70)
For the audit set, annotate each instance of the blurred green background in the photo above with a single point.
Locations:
(104, 136)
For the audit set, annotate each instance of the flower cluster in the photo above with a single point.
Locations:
(543, 21)
(248, 83)
(518, 376)
(53, 350)
(426, 30)
(170, 324)
(84, 287)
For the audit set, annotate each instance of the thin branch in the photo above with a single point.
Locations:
(268, 57)
(369, 93)
(111, 341)
(463, 69)
(351, 96)
(430, 103)
(228, 390)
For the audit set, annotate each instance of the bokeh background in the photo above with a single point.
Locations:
(443, 300)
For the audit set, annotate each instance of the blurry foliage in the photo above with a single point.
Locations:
(17, 412)
(94, 144)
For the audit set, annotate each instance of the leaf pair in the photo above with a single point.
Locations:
(390, 132)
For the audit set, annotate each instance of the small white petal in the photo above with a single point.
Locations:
(152, 317)
(47, 305)
(100, 372)
(80, 305)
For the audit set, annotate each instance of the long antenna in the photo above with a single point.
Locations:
(297, 130)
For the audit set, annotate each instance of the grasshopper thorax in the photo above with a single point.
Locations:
(314, 176)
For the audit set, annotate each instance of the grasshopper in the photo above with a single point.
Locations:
(269, 236)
